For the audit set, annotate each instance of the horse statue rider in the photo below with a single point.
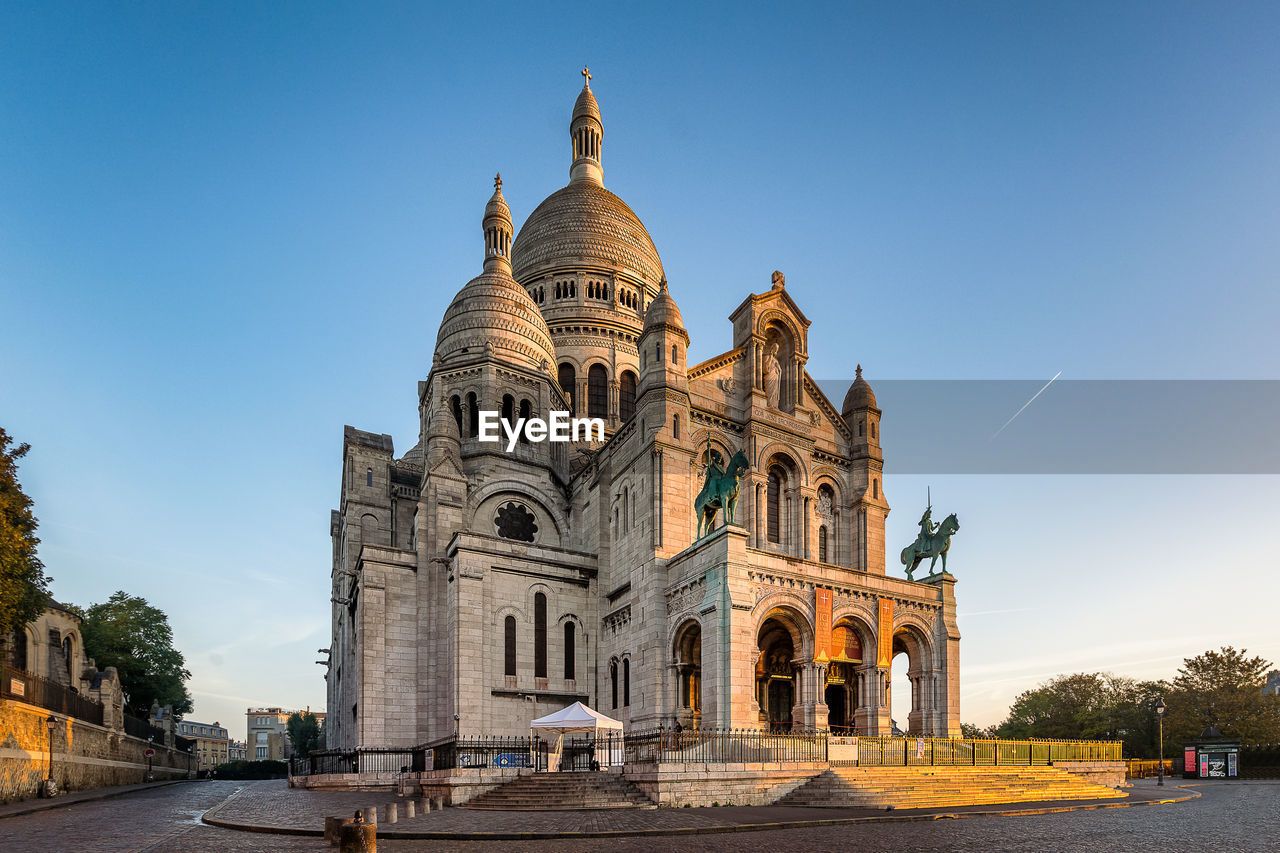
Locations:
(934, 540)
(719, 490)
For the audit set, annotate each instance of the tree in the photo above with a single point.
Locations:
(304, 733)
(1087, 706)
(128, 633)
(24, 589)
(1223, 689)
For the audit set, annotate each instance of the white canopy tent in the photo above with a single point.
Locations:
(579, 719)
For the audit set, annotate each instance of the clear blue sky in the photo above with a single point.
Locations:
(228, 229)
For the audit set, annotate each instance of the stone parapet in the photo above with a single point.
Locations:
(1109, 773)
(739, 784)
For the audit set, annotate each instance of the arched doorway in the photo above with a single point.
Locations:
(910, 706)
(842, 689)
(688, 667)
(776, 688)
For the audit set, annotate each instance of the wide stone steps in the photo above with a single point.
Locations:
(564, 792)
(942, 787)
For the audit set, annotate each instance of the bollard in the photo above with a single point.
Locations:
(426, 805)
(393, 813)
(333, 829)
(359, 838)
(408, 809)
(371, 815)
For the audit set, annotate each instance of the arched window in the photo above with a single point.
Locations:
(568, 379)
(613, 681)
(66, 653)
(675, 426)
(539, 636)
(570, 651)
(597, 392)
(875, 488)
(509, 409)
(20, 650)
(509, 658)
(456, 405)
(773, 500)
(627, 396)
(674, 358)
(822, 544)
(368, 477)
(526, 411)
(473, 415)
(873, 429)
(626, 682)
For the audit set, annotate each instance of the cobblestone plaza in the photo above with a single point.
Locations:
(1242, 816)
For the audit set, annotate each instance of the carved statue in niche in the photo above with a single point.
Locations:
(772, 375)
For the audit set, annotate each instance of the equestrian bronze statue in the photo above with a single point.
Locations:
(719, 491)
(933, 541)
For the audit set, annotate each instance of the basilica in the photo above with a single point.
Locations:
(716, 559)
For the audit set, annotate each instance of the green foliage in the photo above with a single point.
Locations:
(969, 730)
(128, 633)
(252, 770)
(1223, 689)
(24, 589)
(304, 733)
(1086, 706)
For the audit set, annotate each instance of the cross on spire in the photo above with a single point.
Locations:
(586, 77)
(497, 181)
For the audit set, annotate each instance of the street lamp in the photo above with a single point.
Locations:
(51, 722)
(1160, 706)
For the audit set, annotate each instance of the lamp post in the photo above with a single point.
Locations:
(51, 722)
(1160, 706)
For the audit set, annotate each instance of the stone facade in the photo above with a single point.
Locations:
(474, 589)
(212, 743)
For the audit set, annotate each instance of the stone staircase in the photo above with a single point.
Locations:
(942, 787)
(563, 792)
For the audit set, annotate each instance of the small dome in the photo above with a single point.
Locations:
(580, 225)
(586, 107)
(860, 395)
(493, 309)
(663, 310)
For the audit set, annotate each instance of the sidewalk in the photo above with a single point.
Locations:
(39, 804)
(273, 808)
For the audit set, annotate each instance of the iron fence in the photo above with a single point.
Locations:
(718, 746)
(878, 751)
(703, 746)
(28, 687)
(143, 729)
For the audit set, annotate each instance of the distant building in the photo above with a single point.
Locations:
(1273, 683)
(212, 742)
(237, 751)
(267, 736)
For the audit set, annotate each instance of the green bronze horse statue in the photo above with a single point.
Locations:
(719, 491)
(933, 545)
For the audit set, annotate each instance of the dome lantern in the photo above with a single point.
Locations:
(497, 230)
(586, 131)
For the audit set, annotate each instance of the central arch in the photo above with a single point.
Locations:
(784, 644)
(687, 656)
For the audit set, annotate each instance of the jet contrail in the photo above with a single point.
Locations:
(1028, 403)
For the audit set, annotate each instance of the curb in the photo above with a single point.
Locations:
(534, 835)
(40, 805)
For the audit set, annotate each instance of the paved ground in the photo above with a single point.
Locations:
(1229, 816)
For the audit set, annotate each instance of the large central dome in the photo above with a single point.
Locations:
(584, 225)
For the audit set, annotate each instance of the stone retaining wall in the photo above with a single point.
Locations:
(85, 755)
(745, 784)
(1109, 773)
(455, 786)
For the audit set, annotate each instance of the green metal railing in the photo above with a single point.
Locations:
(877, 751)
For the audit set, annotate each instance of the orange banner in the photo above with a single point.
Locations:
(884, 652)
(822, 628)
